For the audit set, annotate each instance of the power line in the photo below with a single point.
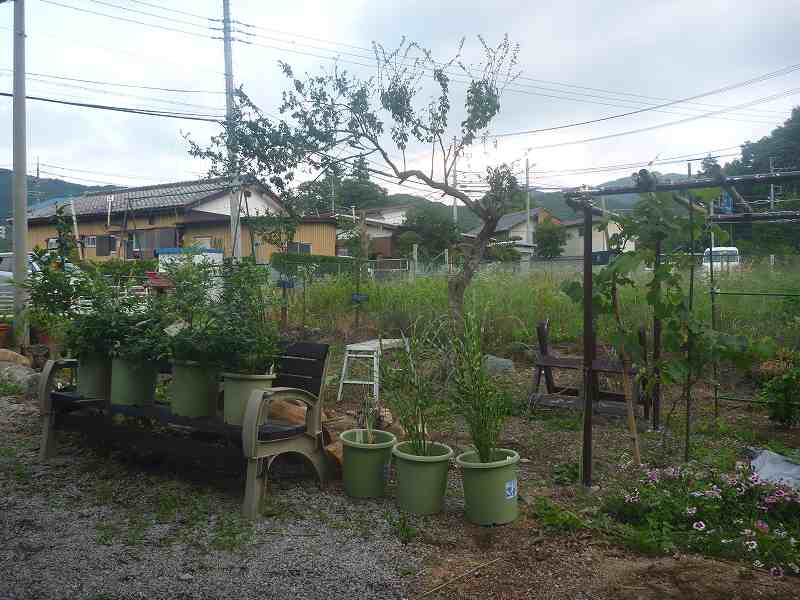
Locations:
(669, 124)
(173, 10)
(148, 14)
(136, 111)
(127, 20)
(124, 85)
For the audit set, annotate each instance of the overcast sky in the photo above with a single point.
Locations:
(630, 53)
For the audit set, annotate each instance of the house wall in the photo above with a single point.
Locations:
(574, 246)
(257, 203)
(321, 236)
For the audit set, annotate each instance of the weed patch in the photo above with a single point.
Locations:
(231, 533)
(555, 518)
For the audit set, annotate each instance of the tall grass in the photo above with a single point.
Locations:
(510, 305)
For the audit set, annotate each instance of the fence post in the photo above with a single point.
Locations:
(414, 255)
(447, 260)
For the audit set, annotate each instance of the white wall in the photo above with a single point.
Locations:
(257, 203)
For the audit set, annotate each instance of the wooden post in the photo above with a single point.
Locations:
(657, 352)
(415, 256)
(588, 346)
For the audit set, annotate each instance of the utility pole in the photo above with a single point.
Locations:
(771, 185)
(528, 232)
(20, 193)
(236, 230)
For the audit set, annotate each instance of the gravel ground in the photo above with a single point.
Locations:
(81, 528)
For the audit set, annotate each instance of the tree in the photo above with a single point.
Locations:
(435, 231)
(337, 118)
(550, 239)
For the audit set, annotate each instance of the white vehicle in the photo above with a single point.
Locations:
(726, 259)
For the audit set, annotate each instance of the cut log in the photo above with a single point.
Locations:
(292, 412)
(335, 452)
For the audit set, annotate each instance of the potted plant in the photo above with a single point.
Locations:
(248, 335)
(140, 346)
(193, 337)
(420, 465)
(366, 454)
(489, 472)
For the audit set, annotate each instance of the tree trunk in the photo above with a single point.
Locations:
(457, 284)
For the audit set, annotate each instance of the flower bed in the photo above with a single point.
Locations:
(734, 516)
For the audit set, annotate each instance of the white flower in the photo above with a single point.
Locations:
(724, 541)
(794, 567)
(691, 511)
(792, 541)
(738, 521)
(751, 545)
(758, 564)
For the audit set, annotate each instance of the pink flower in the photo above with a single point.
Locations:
(699, 526)
(762, 526)
(776, 572)
(754, 478)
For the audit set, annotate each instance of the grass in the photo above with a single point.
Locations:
(10, 388)
(402, 527)
(231, 532)
(515, 303)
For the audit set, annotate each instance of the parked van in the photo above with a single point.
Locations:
(726, 259)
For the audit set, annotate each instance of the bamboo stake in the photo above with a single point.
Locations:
(627, 384)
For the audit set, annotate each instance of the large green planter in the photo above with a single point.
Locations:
(94, 376)
(366, 465)
(193, 390)
(238, 389)
(133, 383)
(490, 489)
(421, 480)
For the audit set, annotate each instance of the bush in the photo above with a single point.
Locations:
(700, 510)
(782, 395)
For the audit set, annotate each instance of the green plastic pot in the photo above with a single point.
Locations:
(133, 383)
(94, 376)
(366, 465)
(193, 390)
(490, 489)
(238, 389)
(421, 480)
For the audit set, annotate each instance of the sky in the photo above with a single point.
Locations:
(578, 61)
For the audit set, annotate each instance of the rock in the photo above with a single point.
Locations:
(495, 364)
(10, 356)
(185, 576)
(16, 374)
(32, 386)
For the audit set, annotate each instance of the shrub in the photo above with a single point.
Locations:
(782, 396)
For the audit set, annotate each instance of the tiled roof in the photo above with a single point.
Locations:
(153, 197)
(508, 221)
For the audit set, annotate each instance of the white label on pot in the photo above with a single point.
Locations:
(511, 489)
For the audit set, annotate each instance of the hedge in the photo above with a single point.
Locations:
(286, 264)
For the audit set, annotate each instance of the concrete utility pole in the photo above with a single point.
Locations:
(528, 232)
(20, 193)
(771, 185)
(236, 230)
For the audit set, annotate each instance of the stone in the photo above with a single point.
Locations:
(185, 576)
(495, 364)
(10, 356)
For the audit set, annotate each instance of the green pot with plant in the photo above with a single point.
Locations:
(141, 346)
(410, 390)
(193, 337)
(366, 454)
(489, 473)
(247, 334)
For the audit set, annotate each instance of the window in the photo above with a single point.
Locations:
(90, 241)
(298, 248)
(202, 242)
(52, 243)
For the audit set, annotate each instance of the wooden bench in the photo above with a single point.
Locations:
(606, 401)
(300, 381)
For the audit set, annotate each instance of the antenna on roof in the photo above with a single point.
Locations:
(109, 204)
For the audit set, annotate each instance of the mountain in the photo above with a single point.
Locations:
(39, 190)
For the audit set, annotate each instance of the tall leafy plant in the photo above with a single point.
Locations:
(411, 390)
(474, 394)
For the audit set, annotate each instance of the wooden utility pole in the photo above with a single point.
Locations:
(528, 232)
(588, 346)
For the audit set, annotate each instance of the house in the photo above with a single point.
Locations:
(393, 215)
(513, 227)
(574, 245)
(134, 222)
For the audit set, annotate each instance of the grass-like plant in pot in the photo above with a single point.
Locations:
(194, 336)
(247, 334)
(420, 405)
(366, 454)
(140, 347)
(489, 472)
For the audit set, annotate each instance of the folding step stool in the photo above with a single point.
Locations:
(371, 349)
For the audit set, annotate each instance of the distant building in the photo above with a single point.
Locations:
(574, 246)
(135, 222)
(513, 228)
